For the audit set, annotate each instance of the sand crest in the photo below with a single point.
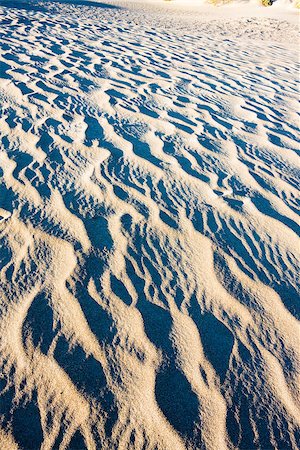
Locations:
(149, 226)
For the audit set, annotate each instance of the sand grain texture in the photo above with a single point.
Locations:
(149, 228)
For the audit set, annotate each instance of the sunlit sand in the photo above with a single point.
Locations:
(149, 226)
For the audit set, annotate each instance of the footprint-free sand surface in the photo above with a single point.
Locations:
(149, 222)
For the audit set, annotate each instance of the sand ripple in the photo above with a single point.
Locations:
(149, 232)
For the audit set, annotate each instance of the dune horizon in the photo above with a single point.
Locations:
(149, 225)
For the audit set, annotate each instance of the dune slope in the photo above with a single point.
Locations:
(149, 223)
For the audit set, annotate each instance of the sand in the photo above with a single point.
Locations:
(149, 226)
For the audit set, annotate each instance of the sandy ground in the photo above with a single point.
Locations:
(149, 223)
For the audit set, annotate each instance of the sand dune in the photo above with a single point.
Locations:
(149, 222)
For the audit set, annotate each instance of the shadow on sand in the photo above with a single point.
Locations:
(44, 6)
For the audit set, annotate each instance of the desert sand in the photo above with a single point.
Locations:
(149, 226)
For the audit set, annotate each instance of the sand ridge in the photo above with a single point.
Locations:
(149, 227)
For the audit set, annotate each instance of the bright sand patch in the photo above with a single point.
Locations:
(149, 226)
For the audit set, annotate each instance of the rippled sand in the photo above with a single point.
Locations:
(148, 222)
